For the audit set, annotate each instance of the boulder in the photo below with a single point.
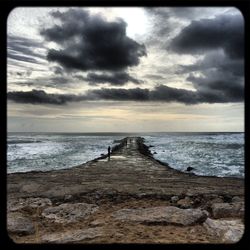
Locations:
(229, 231)
(17, 223)
(185, 203)
(237, 199)
(68, 213)
(224, 210)
(30, 188)
(32, 203)
(162, 215)
(72, 236)
(216, 200)
(68, 197)
(174, 199)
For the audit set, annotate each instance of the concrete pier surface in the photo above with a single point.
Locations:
(128, 181)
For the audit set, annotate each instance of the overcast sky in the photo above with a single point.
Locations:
(125, 69)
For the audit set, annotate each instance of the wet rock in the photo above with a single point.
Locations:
(68, 213)
(185, 203)
(72, 236)
(224, 210)
(189, 169)
(32, 203)
(162, 215)
(174, 199)
(230, 231)
(17, 223)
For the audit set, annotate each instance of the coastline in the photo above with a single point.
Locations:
(131, 179)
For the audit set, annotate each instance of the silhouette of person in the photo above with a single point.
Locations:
(109, 152)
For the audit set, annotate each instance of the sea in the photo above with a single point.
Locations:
(209, 154)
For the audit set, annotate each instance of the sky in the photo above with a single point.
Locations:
(118, 69)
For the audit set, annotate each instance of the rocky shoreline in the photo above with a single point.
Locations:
(129, 198)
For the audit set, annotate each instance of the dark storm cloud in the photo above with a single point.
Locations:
(222, 77)
(223, 32)
(90, 42)
(115, 79)
(217, 61)
(41, 97)
(136, 94)
(160, 93)
(177, 12)
(210, 93)
(221, 40)
(218, 87)
(23, 49)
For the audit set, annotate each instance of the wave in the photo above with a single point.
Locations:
(23, 141)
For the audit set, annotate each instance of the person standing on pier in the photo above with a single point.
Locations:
(109, 152)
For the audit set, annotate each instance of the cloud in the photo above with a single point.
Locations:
(219, 87)
(222, 32)
(217, 61)
(57, 70)
(90, 42)
(115, 79)
(41, 97)
(23, 49)
(221, 70)
(212, 92)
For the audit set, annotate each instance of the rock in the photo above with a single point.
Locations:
(29, 188)
(216, 200)
(162, 215)
(237, 199)
(31, 203)
(224, 210)
(68, 197)
(68, 213)
(230, 231)
(17, 223)
(174, 199)
(97, 222)
(189, 169)
(185, 203)
(72, 236)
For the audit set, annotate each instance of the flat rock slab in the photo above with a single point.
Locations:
(17, 223)
(225, 210)
(72, 236)
(162, 215)
(68, 213)
(33, 203)
(230, 231)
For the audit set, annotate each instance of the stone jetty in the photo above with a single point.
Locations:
(128, 197)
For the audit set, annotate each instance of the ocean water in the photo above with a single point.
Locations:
(44, 152)
(213, 154)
